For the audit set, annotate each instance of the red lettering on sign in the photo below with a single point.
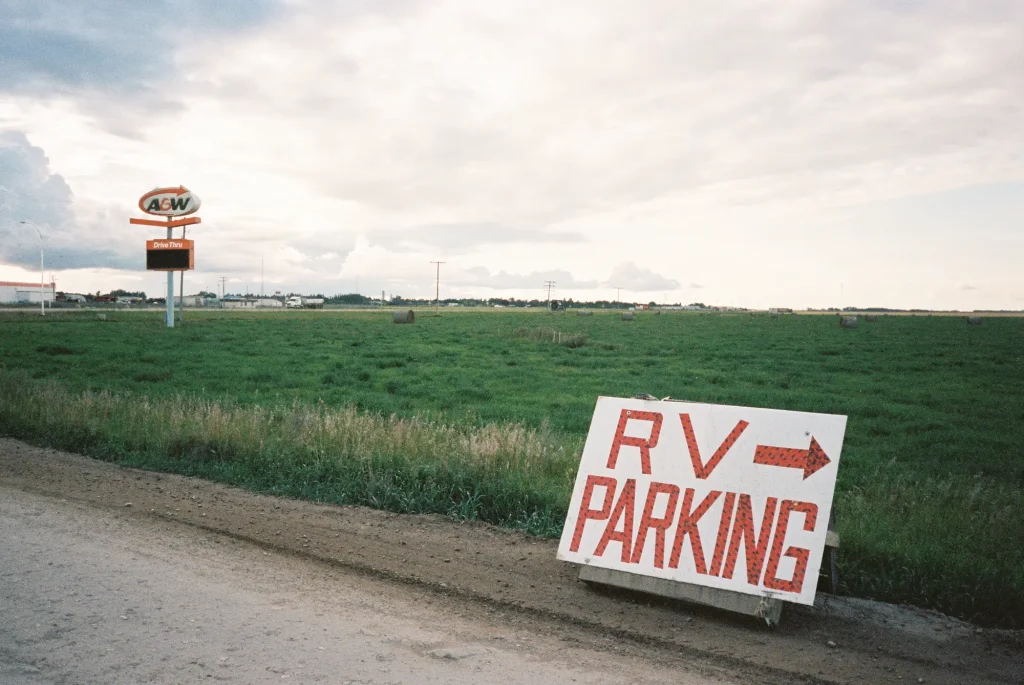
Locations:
(723, 534)
(586, 513)
(700, 469)
(743, 531)
(771, 580)
(645, 445)
(688, 521)
(623, 510)
(660, 524)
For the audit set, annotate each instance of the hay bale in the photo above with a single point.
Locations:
(870, 318)
(847, 321)
(404, 317)
(974, 320)
(627, 316)
(584, 312)
(101, 317)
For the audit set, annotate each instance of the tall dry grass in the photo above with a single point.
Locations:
(507, 474)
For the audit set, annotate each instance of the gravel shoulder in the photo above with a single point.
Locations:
(470, 568)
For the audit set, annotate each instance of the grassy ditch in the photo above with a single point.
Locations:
(932, 542)
(507, 474)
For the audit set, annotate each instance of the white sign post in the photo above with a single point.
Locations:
(733, 498)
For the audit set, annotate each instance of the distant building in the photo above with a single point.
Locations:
(251, 303)
(201, 301)
(13, 292)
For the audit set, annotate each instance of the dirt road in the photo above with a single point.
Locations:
(95, 597)
(113, 575)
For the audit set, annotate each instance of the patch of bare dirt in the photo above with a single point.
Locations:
(840, 641)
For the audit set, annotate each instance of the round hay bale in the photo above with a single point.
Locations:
(584, 312)
(974, 320)
(404, 317)
(101, 317)
(870, 318)
(847, 321)
(627, 316)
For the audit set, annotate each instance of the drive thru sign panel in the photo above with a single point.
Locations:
(734, 498)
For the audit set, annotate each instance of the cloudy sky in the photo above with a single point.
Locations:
(747, 152)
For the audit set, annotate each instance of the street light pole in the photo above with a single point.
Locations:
(42, 277)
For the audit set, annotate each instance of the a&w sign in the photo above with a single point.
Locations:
(734, 498)
(170, 202)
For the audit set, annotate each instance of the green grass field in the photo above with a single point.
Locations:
(482, 415)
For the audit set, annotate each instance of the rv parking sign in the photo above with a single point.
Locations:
(735, 498)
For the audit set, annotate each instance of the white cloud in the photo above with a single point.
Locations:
(639, 279)
(736, 143)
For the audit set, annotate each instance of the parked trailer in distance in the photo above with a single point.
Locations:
(299, 302)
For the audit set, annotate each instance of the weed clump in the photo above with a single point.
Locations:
(54, 350)
(550, 335)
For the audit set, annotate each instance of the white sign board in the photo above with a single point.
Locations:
(735, 498)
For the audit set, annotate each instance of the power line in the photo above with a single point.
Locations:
(549, 285)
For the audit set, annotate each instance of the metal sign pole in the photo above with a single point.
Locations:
(181, 294)
(170, 286)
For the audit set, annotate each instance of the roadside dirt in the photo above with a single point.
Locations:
(92, 595)
(470, 566)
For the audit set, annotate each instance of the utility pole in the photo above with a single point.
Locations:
(618, 289)
(437, 288)
(223, 287)
(261, 276)
(549, 285)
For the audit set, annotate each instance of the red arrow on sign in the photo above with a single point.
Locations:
(810, 460)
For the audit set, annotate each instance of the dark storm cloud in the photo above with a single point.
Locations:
(30, 192)
(107, 45)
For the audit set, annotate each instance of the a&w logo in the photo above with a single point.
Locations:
(170, 202)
